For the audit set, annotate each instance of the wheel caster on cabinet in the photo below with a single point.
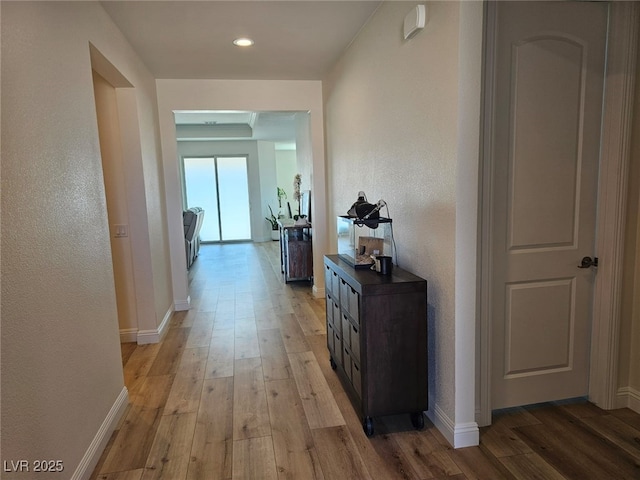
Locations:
(417, 420)
(334, 365)
(367, 426)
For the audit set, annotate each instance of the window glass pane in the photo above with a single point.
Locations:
(200, 184)
(234, 198)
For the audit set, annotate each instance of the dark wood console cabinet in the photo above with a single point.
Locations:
(377, 339)
(296, 252)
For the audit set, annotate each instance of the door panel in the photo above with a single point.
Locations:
(549, 307)
(547, 112)
(549, 70)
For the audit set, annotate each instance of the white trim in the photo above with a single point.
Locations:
(182, 305)
(458, 435)
(614, 166)
(128, 335)
(318, 292)
(442, 422)
(485, 263)
(99, 442)
(155, 335)
(628, 397)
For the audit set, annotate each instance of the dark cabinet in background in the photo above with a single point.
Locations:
(296, 252)
(377, 339)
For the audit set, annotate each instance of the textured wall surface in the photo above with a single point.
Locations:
(61, 366)
(391, 121)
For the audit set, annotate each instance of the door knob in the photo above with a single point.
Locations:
(588, 262)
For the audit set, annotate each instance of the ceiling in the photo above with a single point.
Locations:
(294, 40)
(278, 127)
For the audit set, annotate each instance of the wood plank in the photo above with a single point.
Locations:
(628, 416)
(127, 475)
(370, 456)
(250, 410)
(139, 364)
(184, 319)
(244, 307)
(317, 400)
(530, 466)
(223, 322)
(395, 461)
(246, 343)
(580, 408)
(428, 457)
(574, 449)
(253, 459)
(200, 335)
(275, 362)
(308, 319)
(152, 392)
(266, 318)
(221, 354)
(187, 386)
(617, 432)
(500, 439)
(168, 358)
(292, 335)
(133, 442)
(295, 454)
(226, 305)
(211, 451)
(476, 464)
(126, 350)
(169, 456)
(339, 456)
(208, 301)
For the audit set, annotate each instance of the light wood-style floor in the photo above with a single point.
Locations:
(241, 388)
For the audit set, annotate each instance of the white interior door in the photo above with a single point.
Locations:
(549, 71)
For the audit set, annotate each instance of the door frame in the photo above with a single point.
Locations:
(622, 46)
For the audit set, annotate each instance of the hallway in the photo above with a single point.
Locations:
(241, 388)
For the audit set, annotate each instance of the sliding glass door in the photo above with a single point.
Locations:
(220, 185)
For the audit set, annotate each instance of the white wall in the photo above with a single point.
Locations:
(261, 95)
(62, 382)
(286, 169)
(396, 130)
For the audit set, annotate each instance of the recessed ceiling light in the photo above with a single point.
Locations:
(243, 42)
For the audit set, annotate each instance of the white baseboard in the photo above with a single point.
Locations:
(99, 442)
(128, 335)
(182, 305)
(458, 435)
(318, 292)
(145, 337)
(628, 397)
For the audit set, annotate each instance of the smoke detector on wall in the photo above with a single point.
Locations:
(415, 21)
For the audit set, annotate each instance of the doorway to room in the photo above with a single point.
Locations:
(220, 186)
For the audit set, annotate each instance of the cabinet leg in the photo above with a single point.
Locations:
(367, 426)
(334, 365)
(417, 420)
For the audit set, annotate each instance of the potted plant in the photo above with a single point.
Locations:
(281, 195)
(275, 234)
(297, 195)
